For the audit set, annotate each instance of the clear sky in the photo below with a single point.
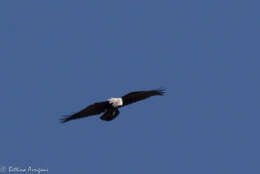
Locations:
(59, 56)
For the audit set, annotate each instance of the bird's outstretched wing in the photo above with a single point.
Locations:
(140, 95)
(93, 109)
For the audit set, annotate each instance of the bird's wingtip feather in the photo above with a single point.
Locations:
(161, 91)
(65, 119)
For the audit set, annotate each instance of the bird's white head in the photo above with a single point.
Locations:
(116, 102)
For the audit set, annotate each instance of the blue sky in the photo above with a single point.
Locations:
(59, 56)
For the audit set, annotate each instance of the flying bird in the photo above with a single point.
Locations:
(110, 108)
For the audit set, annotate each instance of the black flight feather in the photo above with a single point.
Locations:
(90, 110)
(141, 95)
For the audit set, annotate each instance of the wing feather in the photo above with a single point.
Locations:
(140, 95)
(90, 110)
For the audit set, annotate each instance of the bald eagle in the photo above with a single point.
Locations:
(110, 108)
